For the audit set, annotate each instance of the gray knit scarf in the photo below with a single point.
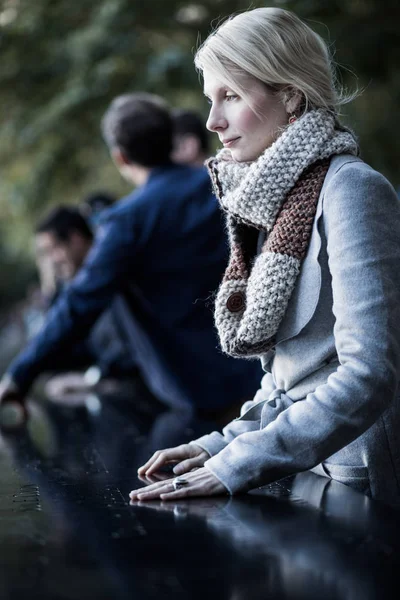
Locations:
(276, 194)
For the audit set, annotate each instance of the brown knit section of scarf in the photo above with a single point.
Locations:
(237, 265)
(291, 232)
(292, 229)
(243, 348)
(244, 249)
(211, 165)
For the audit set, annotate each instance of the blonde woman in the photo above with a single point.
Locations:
(313, 284)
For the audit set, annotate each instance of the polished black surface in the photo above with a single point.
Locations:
(68, 531)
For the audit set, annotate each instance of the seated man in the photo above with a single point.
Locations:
(164, 248)
(62, 240)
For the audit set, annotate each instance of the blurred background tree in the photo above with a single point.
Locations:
(62, 62)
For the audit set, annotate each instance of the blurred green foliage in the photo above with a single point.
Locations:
(62, 62)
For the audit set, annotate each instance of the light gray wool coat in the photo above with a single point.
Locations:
(328, 400)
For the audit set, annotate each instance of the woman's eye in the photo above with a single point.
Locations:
(230, 97)
(209, 101)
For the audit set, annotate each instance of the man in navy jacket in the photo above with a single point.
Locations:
(164, 248)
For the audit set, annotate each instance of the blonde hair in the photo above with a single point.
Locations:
(278, 48)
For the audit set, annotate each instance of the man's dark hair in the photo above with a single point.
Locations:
(190, 122)
(62, 221)
(97, 201)
(140, 126)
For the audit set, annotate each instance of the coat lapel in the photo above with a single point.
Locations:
(304, 300)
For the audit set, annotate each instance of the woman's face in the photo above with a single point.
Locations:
(248, 127)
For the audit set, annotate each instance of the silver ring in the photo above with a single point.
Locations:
(179, 482)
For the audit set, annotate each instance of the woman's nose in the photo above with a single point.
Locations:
(216, 120)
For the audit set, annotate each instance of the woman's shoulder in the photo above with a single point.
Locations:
(347, 168)
(352, 184)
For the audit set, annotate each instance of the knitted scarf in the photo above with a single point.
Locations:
(277, 194)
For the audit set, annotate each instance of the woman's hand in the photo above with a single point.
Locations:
(200, 482)
(185, 457)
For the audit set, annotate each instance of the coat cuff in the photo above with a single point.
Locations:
(228, 474)
(21, 376)
(240, 468)
(212, 443)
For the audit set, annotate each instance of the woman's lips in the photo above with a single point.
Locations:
(229, 143)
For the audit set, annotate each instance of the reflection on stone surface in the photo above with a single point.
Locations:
(68, 530)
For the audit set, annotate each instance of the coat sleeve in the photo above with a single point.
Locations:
(361, 217)
(249, 420)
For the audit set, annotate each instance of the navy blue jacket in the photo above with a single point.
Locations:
(164, 248)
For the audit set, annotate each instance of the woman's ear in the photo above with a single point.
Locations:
(292, 100)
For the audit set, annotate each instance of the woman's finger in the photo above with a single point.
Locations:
(187, 465)
(156, 464)
(152, 491)
(209, 487)
(163, 457)
(156, 477)
(199, 483)
(143, 468)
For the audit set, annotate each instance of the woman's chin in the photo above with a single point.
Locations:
(241, 156)
(238, 156)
